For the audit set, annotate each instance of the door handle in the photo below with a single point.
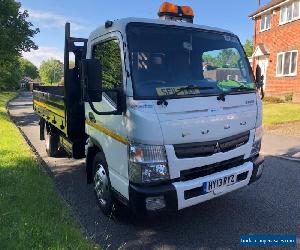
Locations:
(204, 132)
(92, 117)
(243, 123)
(227, 126)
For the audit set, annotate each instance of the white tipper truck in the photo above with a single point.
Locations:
(167, 113)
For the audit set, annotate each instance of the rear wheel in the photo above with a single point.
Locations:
(51, 141)
(102, 185)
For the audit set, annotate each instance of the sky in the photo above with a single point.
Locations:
(85, 15)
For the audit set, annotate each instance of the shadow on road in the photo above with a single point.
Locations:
(270, 206)
(280, 145)
(265, 207)
(26, 120)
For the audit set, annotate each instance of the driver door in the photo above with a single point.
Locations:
(110, 130)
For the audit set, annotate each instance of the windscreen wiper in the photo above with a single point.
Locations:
(163, 99)
(238, 85)
(221, 97)
(240, 88)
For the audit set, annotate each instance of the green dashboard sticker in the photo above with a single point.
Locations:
(227, 85)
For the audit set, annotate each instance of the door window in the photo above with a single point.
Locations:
(109, 54)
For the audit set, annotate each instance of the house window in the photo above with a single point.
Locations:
(290, 12)
(287, 63)
(265, 23)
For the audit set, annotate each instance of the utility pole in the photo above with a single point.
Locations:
(259, 3)
(54, 75)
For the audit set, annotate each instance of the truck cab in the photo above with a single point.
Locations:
(167, 113)
(184, 124)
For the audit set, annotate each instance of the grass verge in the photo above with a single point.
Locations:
(32, 215)
(278, 113)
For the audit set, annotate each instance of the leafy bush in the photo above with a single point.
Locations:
(288, 97)
(273, 99)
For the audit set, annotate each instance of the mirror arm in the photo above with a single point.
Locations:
(116, 112)
(260, 86)
(102, 113)
(262, 92)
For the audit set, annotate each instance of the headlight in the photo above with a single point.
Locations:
(147, 163)
(257, 141)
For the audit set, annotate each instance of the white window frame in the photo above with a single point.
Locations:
(283, 62)
(264, 19)
(286, 17)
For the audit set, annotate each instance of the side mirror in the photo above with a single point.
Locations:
(91, 78)
(259, 79)
(258, 76)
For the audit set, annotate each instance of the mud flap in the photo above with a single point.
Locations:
(42, 124)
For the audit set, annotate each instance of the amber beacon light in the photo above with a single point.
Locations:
(169, 11)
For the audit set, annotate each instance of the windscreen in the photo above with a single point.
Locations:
(178, 62)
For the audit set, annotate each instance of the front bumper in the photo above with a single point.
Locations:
(258, 166)
(179, 195)
(138, 195)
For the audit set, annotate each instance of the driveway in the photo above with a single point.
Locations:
(270, 206)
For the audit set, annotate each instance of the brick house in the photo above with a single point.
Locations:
(276, 44)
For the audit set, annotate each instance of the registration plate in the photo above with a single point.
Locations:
(218, 183)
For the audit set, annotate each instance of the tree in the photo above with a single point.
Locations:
(16, 35)
(207, 58)
(10, 74)
(28, 69)
(225, 58)
(248, 47)
(51, 71)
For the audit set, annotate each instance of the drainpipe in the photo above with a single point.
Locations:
(254, 44)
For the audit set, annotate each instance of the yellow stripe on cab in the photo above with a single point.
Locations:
(107, 132)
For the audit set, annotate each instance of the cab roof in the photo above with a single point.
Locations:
(120, 25)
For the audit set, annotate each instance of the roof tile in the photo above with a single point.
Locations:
(267, 6)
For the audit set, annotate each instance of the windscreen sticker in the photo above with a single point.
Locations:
(165, 91)
(230, 38)
(188, 46)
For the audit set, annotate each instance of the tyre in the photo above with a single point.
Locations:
(102, 185)
(51, 141)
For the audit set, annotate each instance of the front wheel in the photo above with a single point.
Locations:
(51, 141)
(102, 185)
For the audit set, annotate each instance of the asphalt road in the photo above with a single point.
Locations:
(270, 206)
